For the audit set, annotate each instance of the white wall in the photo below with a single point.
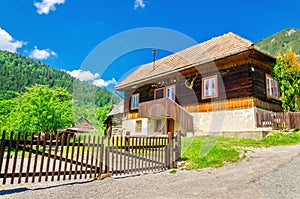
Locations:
(129, 125)
(233, 123)
(148, 126)
(225, 121)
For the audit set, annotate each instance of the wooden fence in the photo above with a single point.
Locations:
(278, 120)
(31, 158)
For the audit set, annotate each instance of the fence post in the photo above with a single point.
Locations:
(170, 146)
(107, 150)
(178, 147)
(2, 148)
(127, 143)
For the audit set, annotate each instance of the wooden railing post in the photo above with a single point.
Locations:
(170, 146)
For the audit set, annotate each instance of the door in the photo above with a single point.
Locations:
(170, 125)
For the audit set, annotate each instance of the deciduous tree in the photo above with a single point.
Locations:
(287, 72)
(39, 109)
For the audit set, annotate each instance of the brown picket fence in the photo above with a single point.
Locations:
(33, 158)
(278, 120)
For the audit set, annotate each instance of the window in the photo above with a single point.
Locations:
(159, 93)
(210, 87)
(272, 87)
(158, 126)
(135, 101)
(170, 92)
(138, 126)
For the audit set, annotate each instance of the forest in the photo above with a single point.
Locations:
(18, 74)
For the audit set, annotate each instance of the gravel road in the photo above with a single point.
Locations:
(272, 172)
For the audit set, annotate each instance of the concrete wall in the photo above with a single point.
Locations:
(232, 123)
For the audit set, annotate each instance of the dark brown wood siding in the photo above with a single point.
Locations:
(146, 94)
(259, 84)
(245, 78)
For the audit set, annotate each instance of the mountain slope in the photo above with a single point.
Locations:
(18, 72)
(288, 39)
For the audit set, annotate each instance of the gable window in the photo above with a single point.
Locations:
(170, 92)
(159, 93)
(138, 126)
(210, 87)
(272, 87)
(135, 101)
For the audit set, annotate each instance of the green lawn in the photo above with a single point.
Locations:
(201, 152)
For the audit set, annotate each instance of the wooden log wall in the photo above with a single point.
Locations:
(239, 77)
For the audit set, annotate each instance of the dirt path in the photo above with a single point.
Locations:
(250, 178)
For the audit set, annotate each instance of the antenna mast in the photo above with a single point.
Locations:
(154, 50)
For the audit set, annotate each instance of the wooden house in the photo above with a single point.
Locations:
(215, 87)
(81, 126)
(113, 121)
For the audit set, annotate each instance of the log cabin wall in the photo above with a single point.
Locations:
(146, 93)
(260, 66)
(242, 75)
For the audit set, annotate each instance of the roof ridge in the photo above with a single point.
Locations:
(240, 37)
(211, 49)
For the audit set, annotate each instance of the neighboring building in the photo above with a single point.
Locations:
(215, 87)
(81, 126)
(113, 121)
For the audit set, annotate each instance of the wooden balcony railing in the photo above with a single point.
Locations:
(166, 108)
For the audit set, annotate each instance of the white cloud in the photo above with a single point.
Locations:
(83, 75)
(139, 3)
(103, 83)
(41, 54)
(89, 76)
(8, 43)
(46, 6)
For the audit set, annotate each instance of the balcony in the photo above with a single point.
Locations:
(167, 108)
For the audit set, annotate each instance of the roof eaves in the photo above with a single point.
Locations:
(263, 51)
(181, 69)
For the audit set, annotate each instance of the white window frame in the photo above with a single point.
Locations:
(135, 100)
(171, 92)
(210, 87)
(272, 88)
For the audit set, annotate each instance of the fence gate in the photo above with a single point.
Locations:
(33, 158)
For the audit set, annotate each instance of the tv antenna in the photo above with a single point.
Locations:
(154, 50)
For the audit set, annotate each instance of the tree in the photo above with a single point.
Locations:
(287, 72)
(39, 109)
(101, 114)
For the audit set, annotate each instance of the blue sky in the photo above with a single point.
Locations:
(62, 33)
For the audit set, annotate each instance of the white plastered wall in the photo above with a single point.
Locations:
(129, 125)
(225, 121)
(148, 126)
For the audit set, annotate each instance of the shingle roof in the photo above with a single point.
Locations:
(117, 109)
(210, 50)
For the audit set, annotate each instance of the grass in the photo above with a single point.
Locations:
(201, 152)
